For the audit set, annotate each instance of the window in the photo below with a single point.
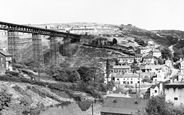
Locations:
(124, 82)
(137, 81)
(155, 91)
(175, 98)
(131, 82)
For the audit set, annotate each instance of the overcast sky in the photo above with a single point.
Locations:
(146, 14)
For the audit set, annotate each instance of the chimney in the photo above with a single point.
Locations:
(4, 49)
(161, 87)
(127, 94)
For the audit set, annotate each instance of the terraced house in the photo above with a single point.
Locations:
(5, 61)
(123, 106)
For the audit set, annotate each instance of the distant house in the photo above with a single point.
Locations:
(121, 69)
(157, 89)
(181, 76)
(83, 30)
(148, 60)
(127, 60)
(144, 50)
(157, 53)
(174, 92)
(129, 79)
(150, 68)
(5, 61)
(123, 106)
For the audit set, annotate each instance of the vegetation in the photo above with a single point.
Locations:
(166, 53)
(9, 107)
(158, 106)
(141, 42)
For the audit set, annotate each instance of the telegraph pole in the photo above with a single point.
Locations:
(107, 69)
(139, 84)
(92, 107)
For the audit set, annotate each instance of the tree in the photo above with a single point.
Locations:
(87, 74)
(60, 75)
(5, 99)
(157, 106)
(166, 53)
(114, 41)
(74, 76)
(141, 42)
(134, 66)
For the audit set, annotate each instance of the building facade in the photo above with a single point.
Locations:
(5, 61)
(128, 79)
(123, 106)
(174, 92)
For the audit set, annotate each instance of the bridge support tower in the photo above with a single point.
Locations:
(54, 50)
(37, 52)
(37, 48)
(13, 48)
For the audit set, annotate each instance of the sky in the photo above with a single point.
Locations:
(146, 14)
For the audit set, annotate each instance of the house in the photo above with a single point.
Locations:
(157, 89)
(127, 60)
(181, 76)
(83, 30)
(150, 68)
(160, 71)
(123, 106)
(121, 69)
(128, 79)
(182, 67)
(157, 53)
(148, 60)
(174, 92)
(144, 50)
(5, 61)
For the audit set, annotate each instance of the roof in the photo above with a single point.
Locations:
(5, 53)
(174, 85)
(153, 86)
(151, 66)
(127, 75)
(122, 67)
(123, 105)
(147, 57)
(137, 56)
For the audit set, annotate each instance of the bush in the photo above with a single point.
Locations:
(5, 99)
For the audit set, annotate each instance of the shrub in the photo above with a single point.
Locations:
(5, 99)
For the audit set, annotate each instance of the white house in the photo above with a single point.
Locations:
(121, 69)
(128, 79)
(174, 92)
(162, 74)
(157, 53)
(157, 89)
(144, 51)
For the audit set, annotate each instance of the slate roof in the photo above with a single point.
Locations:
(153, 86)
(5, 53)
(174, 85)
(151, 66)
(127, 76)
(120, 105)
(122, 67)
